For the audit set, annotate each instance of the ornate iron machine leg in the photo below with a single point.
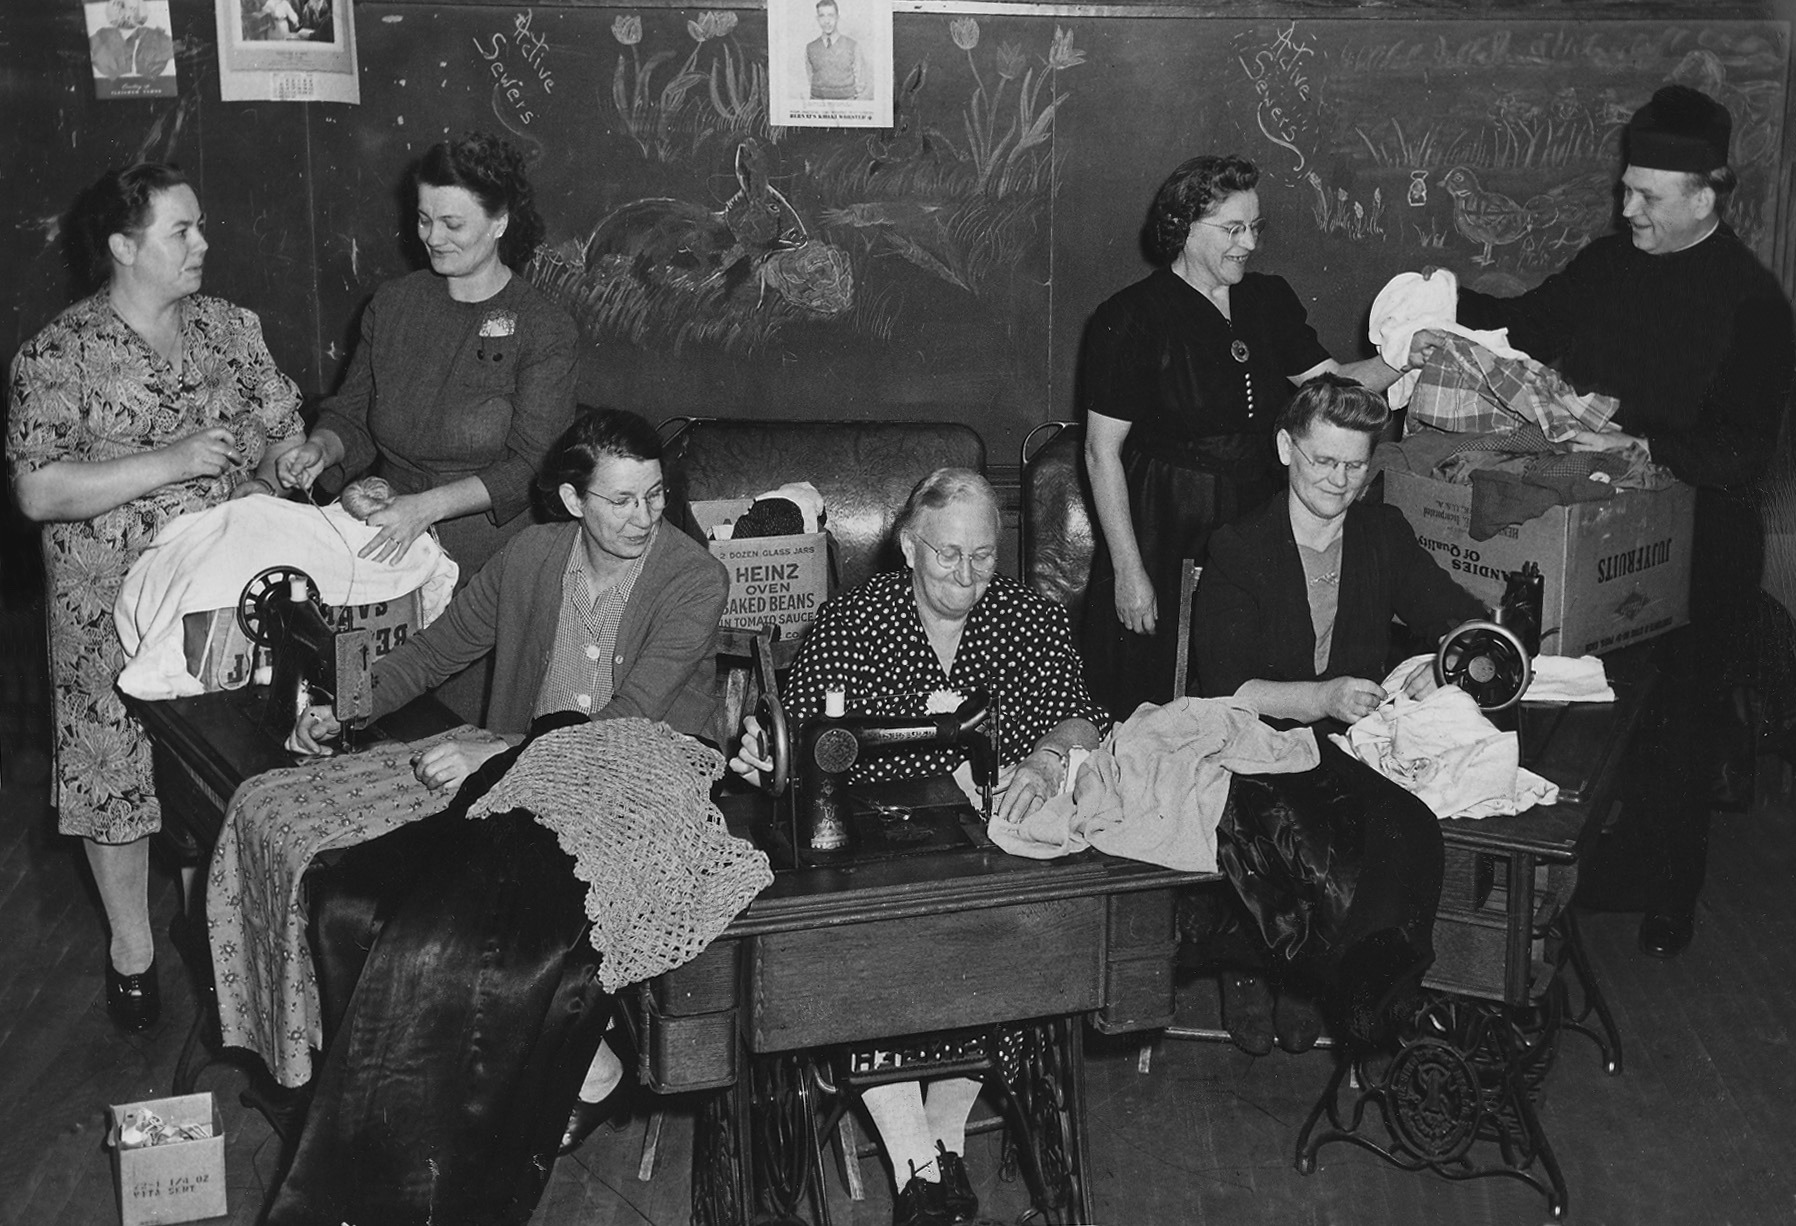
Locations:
(1466, 1072)
(720, 1161)
(1567, 944)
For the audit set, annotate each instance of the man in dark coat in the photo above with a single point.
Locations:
(1679, 320)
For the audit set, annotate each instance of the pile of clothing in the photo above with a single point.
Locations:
(1484, 414)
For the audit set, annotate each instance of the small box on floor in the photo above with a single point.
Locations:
(1617, 570)
(168, 1154)
(778, 580)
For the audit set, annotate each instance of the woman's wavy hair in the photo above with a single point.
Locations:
(492, 171)
(1338, 400)
(938, 489)
(1191, 191)
(596, 435)
(121, 201)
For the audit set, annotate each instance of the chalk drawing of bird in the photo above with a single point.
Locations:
(1483, 216)
(1577, 208)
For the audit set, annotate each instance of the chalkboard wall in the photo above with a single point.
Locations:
(943, 268)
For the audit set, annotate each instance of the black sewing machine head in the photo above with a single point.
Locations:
(826, 820)
(313, 661)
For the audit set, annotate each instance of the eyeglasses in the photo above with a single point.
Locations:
(1236, 229)
(654, 500)
(983, 561)
(1353, 468)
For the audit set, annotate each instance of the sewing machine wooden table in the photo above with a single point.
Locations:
(1457, 1095)
(920, 966)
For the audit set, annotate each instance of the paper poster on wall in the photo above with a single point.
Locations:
(132, 47)
(287, 51)
(830, 63)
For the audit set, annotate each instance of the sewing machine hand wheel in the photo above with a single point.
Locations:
(777, 743)
(1487, 661)
(772, 714)
(255, 608)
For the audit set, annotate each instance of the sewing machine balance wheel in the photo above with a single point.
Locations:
(255, 608)
(772, 714)
(1487, 661)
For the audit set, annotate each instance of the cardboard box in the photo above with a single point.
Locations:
(179, 1182)
(1617, 571)
(778, 580)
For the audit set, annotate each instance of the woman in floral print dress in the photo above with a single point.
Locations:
(140, 403)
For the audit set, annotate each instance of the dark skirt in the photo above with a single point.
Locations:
(462, 1007)
(1336, 876)
(1176, 499)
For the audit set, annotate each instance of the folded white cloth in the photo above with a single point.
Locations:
(805, 497)
(1569, 679)
(1410, 302)
(1443, 749)
(202, 560)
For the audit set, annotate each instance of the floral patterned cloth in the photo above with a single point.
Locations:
(255, 916)
(89, 388)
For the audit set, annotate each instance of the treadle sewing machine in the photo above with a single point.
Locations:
(916, 950)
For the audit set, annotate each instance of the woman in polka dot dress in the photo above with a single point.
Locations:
(939, 630)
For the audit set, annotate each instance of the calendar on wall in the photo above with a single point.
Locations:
(287, 51)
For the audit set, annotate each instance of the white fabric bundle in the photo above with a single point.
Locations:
(1410, 302)
(1443, 749)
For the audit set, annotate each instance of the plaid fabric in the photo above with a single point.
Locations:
(1466, 388)
(581, 670)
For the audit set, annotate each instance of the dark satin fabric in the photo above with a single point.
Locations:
(1174, 505)
(462, 1007)
(1327, 858)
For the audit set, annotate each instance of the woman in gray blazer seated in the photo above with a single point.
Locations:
(612, 615)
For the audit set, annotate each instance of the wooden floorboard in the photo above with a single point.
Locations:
(1697, 1130)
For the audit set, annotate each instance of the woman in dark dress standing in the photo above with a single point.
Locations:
(1182, 376)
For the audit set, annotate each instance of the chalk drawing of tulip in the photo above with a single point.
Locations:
(1010, 61)
(627, 30)
(965, 32)
(1061, 53)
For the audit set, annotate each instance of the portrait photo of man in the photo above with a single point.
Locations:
(834, 62)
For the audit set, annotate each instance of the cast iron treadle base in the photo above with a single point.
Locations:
(758, 1148)
(1465, 1073)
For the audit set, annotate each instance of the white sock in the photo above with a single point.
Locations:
(602, 1075)
(949, 1104)
(897, 1112)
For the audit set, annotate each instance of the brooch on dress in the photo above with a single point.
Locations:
(1238, 350)
(498, 323)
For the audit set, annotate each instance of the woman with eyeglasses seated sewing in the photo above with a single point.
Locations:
(613, 615)
(1293, 616)
(1181, 378)
(940, 629)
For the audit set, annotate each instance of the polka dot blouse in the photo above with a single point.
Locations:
(1016, 644)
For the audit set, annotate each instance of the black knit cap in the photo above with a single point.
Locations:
(1679, 129)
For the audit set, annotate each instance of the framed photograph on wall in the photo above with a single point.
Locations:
(287, 51)
(131, 47)
(829, 63)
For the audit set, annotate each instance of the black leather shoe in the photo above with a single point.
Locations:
(135, 1001)
(957, 1189)
(1247, 1013)
(1296, 1023)
(1663, 935)
(919, 1203)
(585, 1118)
